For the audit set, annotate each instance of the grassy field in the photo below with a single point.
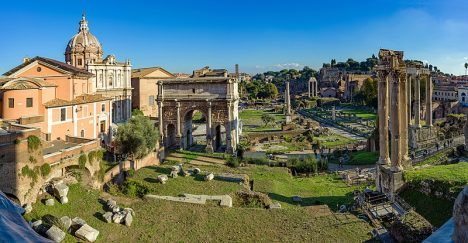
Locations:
(448, 178)
(363, 158)
(163, 221)
(252, 120)
(334, 140)
(365, 114)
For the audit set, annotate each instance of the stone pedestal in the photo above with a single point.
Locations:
(388, 181)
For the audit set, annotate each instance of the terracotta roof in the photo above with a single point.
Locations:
(23, 83)
(82, 99)
(54, 63)
(142, 72)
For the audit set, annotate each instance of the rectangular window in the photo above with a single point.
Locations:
(29, 102)
(151, 100)
(103, 126)
(103, 107)
(63, 114)
(11, 103)
(80, 62)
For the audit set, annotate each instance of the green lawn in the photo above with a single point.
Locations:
(363, 158)
(163, 221)
(334, 140)
(252, 120)
(444, 178)
(365, 114)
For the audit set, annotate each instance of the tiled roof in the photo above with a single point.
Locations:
(57, 64)
(142, 72)
(82, 99)
(23, 83)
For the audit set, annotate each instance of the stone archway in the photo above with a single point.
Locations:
(215, 97)
(171, 135)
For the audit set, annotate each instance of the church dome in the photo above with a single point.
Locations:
(83, 43)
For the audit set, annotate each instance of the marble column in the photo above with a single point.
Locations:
(209, 138)
(417, 102)
(408, 86)
(383, 119)
(229, 147)
(404, 116)
(310, 88)
(288, 103)
(161, 125)
(395, 120)
(179, 134)
(429, 101)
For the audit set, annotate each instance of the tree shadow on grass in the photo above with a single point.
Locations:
(333, 202)
(162, 170)
(151, 180)
(99, 216)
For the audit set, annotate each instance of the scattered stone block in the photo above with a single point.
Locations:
(129, 210)
(162, 179)
(39, 227)
(209, 177)
(87, 233)
(226, 201)
(77, 223)
(107, 217)
(54, 233)
(128, 219)
(173, 174)
(196, 171)
(27, 208)
(60, 190)
(50, 202)
(118, 217)
(64, 200)
(274, 206)
(66, 222)
(296, 199)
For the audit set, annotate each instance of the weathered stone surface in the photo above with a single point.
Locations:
(64, 200)
(226, 201)
(173, 174)
(111, 203)
(233, 177)
(162, 179)
(27, 208)
(55, 234)
(175, 168)
(209, 177)
(196, 171)
(129, 210)
(49, 202)
(460, 217)
(77, 222)
(128, 219)
(108, 217)
(39, 227)
(66, 222)
(60, 190)
(88, 233)
(118, 217)
(274, 206)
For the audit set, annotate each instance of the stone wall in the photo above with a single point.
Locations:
(150, 159)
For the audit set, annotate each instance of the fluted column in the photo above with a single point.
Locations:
(417, 102)
(404, 116)
(429, 101)
(161, 125)
(229, 146)
(395, 119)
(310, 87)
(383, 118)
(209, 138)
(315, 88)
(408, 86)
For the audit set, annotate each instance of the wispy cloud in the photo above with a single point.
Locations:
(288, 65)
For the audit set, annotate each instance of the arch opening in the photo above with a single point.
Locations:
(195, 129)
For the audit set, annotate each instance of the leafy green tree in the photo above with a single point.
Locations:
(267, 119)
(137, 112)
(271, 91)
(137, 138)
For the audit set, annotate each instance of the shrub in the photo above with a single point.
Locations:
(82, 161)
(33, 143)
(130, 172)
(32, 159)
(232, 162)
(134, 188)
(31, 173)
(45, 169)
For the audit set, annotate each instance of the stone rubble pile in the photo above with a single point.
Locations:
(76, 227)
(117, 215)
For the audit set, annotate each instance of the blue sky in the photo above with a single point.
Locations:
(259, 35)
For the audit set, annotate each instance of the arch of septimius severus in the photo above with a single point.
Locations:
(215, 97)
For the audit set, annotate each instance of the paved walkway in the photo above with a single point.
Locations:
(334, 167)
(344, 133)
